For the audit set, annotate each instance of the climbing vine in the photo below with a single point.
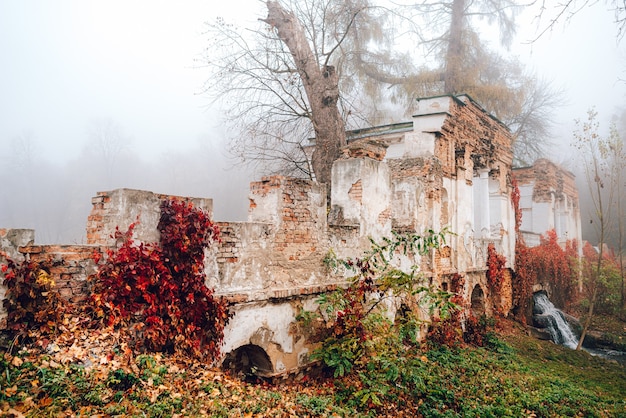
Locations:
(158, 291)
(524, 274)
(447, 330)
(495, 269)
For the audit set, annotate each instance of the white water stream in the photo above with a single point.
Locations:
(556, 324)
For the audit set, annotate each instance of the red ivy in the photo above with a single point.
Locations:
(495, 269)
(159, 289)
(350, 320)
(524, 275)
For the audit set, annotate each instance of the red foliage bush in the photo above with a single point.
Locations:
(31, 301)
(545, 263)
(159, 289)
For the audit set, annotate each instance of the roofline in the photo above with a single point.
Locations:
(379, 130)
(456, 98)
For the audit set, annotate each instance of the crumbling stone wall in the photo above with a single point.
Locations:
(449, 167)
(548, 200)
(122, 207)
(69, 265)
(452, 168)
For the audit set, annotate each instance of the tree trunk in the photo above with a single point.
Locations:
(453, 74)
(583, 334)
(321, 85)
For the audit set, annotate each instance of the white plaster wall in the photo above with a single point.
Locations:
(346, 174)
(250, 272)
(419, 144)
(375, 179)
(542, 217)
(376, 198)
(462, 196)
(406, 200)
(433, 105)
(248, 319)
(267, 207)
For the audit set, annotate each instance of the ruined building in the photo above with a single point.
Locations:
(548, 200)
(448, 167)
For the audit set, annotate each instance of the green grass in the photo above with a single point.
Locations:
(515, 376)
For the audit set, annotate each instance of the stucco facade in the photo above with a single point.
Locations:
(548, 200)
(450, 167)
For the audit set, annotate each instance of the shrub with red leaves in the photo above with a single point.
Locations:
(159, 289)
(31, 301)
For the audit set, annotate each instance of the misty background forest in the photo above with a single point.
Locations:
(166, 97)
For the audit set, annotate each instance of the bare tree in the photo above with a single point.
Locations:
(320, 66)
(551, 14)
(106, 144)
(281, 85)
(596, 153)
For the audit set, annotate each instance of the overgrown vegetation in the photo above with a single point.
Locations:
(157, 291)
(359, 325)
(512, 376)
(547, 262)
(608, 282)
(34, 307)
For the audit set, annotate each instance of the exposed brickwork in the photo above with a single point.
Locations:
(549, 181)
(363, 148)
(296, 237)
(230, 245)
(356, 191)
(97, 219)
(68, 265)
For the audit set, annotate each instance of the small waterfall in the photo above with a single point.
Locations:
(552, 319)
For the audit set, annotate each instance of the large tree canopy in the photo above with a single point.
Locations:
(315, 68)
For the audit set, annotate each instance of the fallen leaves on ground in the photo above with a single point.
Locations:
(93, 372)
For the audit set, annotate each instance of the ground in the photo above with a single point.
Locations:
(94, 373)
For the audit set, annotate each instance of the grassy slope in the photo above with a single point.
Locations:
(516, 376)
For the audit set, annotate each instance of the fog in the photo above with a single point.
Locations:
(100, 95)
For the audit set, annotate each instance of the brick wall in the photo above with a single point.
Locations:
(68, 265)
(548, 179)
(296, 209)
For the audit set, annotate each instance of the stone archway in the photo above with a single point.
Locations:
(478, 301)
(248, 360)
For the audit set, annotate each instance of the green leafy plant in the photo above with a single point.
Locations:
(159, 291)
(357, 321)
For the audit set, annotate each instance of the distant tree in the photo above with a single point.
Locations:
(618, 163)
(106, 144)
(596, 154)
(464, 63)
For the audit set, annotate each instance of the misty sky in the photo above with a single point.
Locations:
(67, 63)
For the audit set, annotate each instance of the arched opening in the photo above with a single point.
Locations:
(249, 361)
(478, 301)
